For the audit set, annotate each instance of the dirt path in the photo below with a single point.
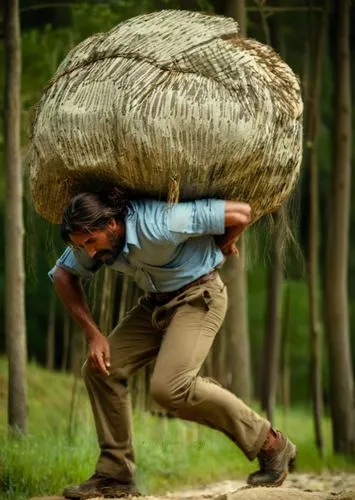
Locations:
(296, 487)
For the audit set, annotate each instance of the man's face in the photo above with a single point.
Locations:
(103, 245)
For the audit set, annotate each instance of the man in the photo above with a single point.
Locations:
(172, 252)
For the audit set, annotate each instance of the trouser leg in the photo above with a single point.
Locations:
(133, 344)
(175, 382)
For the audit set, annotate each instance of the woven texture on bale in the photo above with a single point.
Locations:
(164, 102)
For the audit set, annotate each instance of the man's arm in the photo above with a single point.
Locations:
(70, 291)
(237, 216)
(224, 220)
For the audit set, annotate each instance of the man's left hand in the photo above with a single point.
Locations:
(237, 218)
(230, 249)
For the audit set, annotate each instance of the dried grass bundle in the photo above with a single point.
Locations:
(173, 105)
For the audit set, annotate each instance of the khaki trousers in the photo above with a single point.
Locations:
(178, 335)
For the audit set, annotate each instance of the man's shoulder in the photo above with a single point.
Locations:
(147, 205)
(146, 220)
(148, 202)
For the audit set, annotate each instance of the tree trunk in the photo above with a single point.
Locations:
(285, 393)
(76, 344)
(272, 338)
(107, 301)
(315, 62)
(111, 317)
(126, 283)
(271, 351)
(236, 321)
(336, 297)
(66, 340)
(15, 324)
(235, 327)
(237, 10)
(51, 332)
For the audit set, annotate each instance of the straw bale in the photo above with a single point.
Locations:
(169, 104)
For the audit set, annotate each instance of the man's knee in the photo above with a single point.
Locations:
(88, 372)
(168, 395)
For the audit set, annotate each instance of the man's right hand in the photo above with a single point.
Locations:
(99, 353)
(71, 293)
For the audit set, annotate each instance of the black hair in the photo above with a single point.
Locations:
(92, 211)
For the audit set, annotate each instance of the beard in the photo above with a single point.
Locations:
(109, 256)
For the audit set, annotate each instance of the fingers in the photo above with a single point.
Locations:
(244, 218)
(244, 212)
(243, 208)
(97, 361)
(238, 219)
(239, 207)
(233, 251)
(94, 362)
(101, 364)
(230, 250)
(107, 355)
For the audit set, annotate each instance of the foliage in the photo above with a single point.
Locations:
(44, 45)
(171, 454)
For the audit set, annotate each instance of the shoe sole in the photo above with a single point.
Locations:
(132, 494)
(80, 496)
(290, 468)
(122, 494)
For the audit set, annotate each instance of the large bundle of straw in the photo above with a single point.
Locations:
(170, 104)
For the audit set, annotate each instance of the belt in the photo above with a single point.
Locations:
(164, 297)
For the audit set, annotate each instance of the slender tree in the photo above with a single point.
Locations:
(66, 340)
(313, 96)
(107, 301)
(336, 293)
(51, 332)
(272, 337)
(284, 381)
(125, 293)
(14, 231)
(236, 322)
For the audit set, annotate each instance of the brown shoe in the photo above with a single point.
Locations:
(276, 458)
(101, 486)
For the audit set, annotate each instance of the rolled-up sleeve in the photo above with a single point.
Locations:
(188, 219)
(75, 263)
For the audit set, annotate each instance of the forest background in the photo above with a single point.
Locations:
(277, 292)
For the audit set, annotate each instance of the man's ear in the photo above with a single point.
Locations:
(112, 224)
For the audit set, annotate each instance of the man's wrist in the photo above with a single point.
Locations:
(91, 334)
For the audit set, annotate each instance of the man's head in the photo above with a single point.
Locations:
(95, 222)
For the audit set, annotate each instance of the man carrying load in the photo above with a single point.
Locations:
(172, 253)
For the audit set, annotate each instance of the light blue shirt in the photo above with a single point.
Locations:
(167, 246)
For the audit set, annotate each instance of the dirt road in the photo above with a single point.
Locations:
(297, 487)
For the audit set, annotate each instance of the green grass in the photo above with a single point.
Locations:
(171, 454)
